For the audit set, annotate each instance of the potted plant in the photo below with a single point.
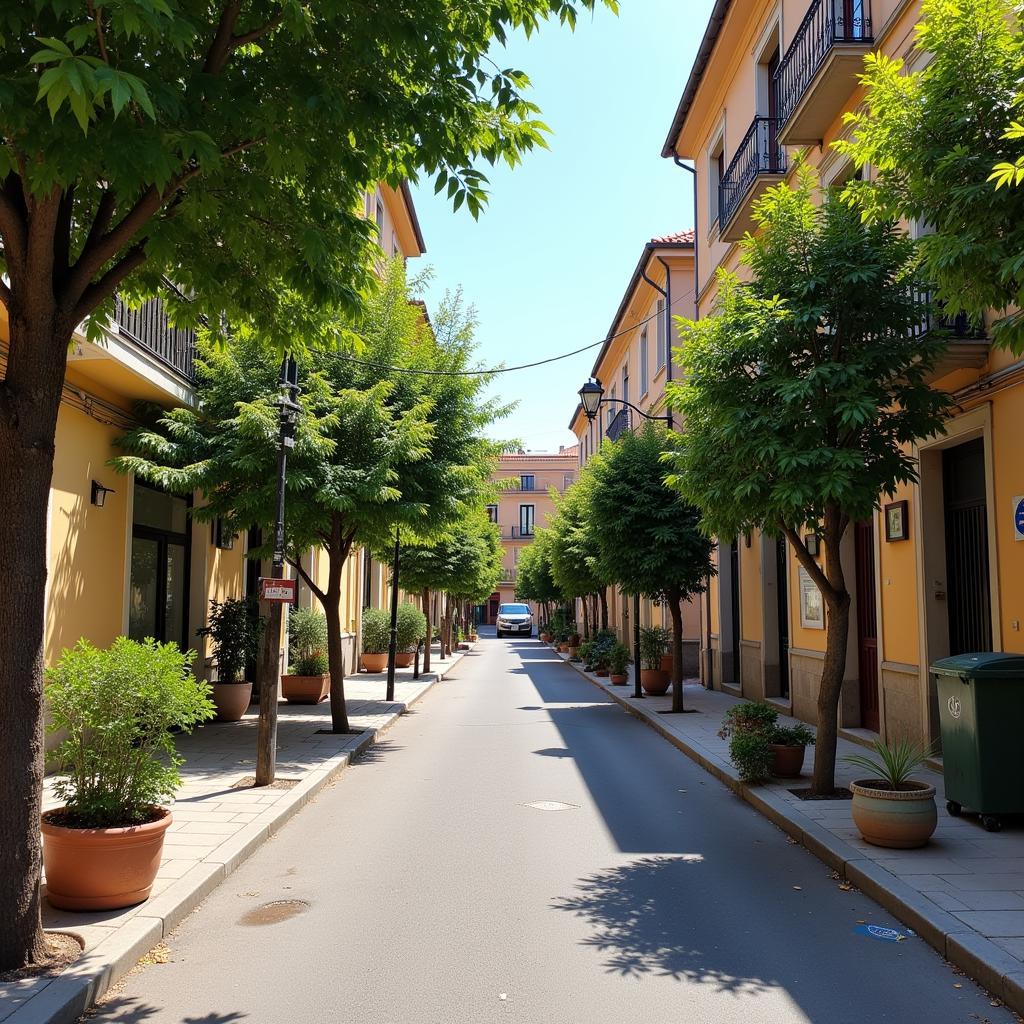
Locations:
(412, 628)
(308, 681)
(234, 628)
(116, 765)
(654, 641)
(574, 645)
(618, 659)
(376, 639)
(889, 807)
(787, 747)
(750, 728)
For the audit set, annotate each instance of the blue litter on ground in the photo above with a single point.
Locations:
(883, 933)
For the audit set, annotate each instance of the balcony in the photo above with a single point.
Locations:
(968, 347)
(618, 425)
(759, 163)
(819, 70)
(517, 532)
(149, 328)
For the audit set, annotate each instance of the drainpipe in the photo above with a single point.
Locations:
(666, 294)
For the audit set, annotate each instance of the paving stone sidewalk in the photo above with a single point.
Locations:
(963, 892)
(216, 826)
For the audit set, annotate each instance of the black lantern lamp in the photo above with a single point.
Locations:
(99, 494)
(590, 397)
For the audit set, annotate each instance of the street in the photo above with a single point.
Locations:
(521, 849)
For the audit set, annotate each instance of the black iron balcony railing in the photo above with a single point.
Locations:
(148, 326)
(758, 153)
(828, 23)
(517, 532)
(618, 425)
(958, 326)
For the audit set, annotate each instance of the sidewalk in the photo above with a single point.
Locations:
(219, 821)
(963, 892)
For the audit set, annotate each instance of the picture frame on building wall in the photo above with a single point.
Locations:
(812, 607)
(896, 521)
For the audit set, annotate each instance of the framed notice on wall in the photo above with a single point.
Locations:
(812, 607)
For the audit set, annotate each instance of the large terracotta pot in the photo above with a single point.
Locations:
(574, 652)
(101, 868)
(901, 819)
(306, 689)
(666, 663)
(403, 659)
(374, 662)
(787, 761)
(618, 679)
(654, 681)
(232, 700)
(564, 648)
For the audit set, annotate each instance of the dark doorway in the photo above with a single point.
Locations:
(734, 638)
(158, 591)
(867, 624)
(966, 513)
(782, 596)
(775, 155)
(492, 608)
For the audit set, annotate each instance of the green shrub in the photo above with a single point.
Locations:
(307, 642)
(412, 626)
(118, 708)
(751, 756)
(750, 716)
(654, 642)
(234, 628)
(618, 659)
(793, 736)
(376, 631)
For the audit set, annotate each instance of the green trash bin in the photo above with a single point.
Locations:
(981, 715)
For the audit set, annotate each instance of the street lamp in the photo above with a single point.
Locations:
(592, 398)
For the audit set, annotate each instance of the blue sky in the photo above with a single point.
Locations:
(549, 259)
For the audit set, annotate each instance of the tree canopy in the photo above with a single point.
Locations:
(575, 554)
(535, 580)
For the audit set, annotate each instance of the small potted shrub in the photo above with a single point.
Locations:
(116, 766)
(654, 641)
(788, 747)
(308, 681)
(889, 807)
(618, 659)
(376, 639)
(574, 645)
(412, 628)
(750, 728)
(234, 628)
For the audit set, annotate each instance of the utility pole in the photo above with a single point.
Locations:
(270, 675)
(393, 643)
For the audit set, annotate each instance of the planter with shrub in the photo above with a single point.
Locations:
(761, 748)
(376, 639)
(412, 628)
(618, 659)
(308, 681)
(654, 642)
(788, 747)
(234, 628)
(116, 767)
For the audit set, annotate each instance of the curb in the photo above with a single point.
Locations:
(984, 961)
(64, 999)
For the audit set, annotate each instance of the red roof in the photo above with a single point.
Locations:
(677, 238)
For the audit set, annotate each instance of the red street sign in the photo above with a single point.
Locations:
(278, 590)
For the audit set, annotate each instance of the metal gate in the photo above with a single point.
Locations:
(867, 624)
(782, 593)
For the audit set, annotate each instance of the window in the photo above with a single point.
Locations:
(662, 329)
(527, 482)
(612, 410)
(716, 175)
(492, 513)
(526, 519)
(625, 383)
(643, 361)
(394, 244)
(380, 217)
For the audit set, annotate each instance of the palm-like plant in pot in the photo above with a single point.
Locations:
(116, 766)
(889, 807)
(654, 642)
(412, 629)
(376, 639)
(308, 680)
(234, 628)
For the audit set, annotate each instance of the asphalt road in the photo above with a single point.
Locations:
(439, 892)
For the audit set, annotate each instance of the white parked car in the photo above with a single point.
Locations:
(514, 620)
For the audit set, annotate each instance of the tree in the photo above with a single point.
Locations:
(802, 394)
(225, 145)
(941, 141)
(647, 536)
(534, 578)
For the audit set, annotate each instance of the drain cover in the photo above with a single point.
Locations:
(552, 805)
(275, 912)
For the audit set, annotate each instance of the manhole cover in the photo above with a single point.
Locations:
(552, 805)
(275, 912)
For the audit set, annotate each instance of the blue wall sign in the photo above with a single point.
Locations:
(1018, 518)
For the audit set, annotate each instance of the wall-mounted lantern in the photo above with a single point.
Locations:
(99, 494)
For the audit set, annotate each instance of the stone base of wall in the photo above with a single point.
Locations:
(805, 682)
(751, 676)
(691, 659)
(901, 702)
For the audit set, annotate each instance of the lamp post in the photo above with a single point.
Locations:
(393, 642)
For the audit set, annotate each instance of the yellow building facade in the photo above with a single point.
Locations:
(939, 568)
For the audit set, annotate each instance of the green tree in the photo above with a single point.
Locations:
(648, 537)
(225, 144)
(940, 141)
(534, 578)
(802, 394)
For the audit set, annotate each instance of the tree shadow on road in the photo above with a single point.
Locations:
(129, 1010)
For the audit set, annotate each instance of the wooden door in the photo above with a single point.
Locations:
(867, 624)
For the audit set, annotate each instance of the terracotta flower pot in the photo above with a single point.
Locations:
(403, 659)
(666, 663)
(654, 681)
(901, 819)
(374, 662)
(232, 700)
(787, 761)
(574, 651)
(602, 672)
(306, 689)
(546, 637)
(101, 868)
(563, 648)
(618, 678)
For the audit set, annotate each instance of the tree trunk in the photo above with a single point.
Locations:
(29, 403)
(430, 629)
(677, 652)
(586, 620)
(604, 607)
(335, 652)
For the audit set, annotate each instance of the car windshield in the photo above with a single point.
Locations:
(514, 609)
